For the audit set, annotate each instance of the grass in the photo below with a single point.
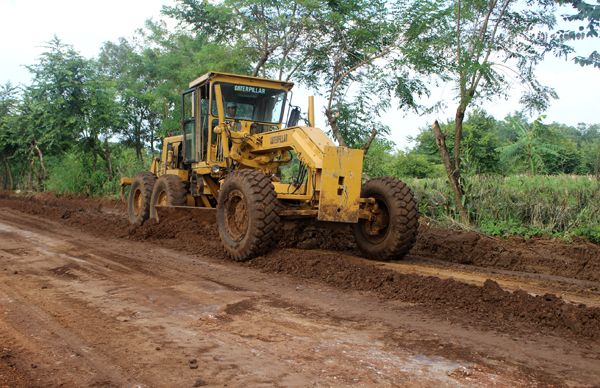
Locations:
(562, 205)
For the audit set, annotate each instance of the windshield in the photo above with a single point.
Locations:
(243, 102)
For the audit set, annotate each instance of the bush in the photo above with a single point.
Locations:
(592, 233)
(73, 172)
(562, 205)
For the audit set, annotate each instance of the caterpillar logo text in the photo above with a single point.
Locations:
(279, 139)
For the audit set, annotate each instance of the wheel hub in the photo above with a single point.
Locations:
(137, 201)
(163, 199)
(236, 215)
(377, 226)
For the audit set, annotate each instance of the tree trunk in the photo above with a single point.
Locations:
(41, 175)
(8, 174)
(153, 125)
(452, 172)
(30, 176)
(266, 53)
(152, 140)
(531, 163)
(332, 121)
(458, 130)
(94, 159)
(369, 141)
(138, 140)
(108, 159)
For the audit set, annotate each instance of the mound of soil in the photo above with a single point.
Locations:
(183, 233)
(489, 306)
(579, 259)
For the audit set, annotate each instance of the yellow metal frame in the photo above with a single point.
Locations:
(339, 198)
(331, 191)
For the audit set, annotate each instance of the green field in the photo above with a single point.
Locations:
(542, 205)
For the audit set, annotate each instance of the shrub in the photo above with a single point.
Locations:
(562, 205)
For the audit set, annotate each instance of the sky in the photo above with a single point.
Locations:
(26, 24)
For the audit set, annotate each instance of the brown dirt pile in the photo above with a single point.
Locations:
(579, 259)
(489, 306)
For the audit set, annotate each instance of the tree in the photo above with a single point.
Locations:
(584, 13)
(342, 50)
(360, 64)
(531, 146)
(480, 142)
(379, 159)
(53, 111)
(412, 164)
(9, 105)
(68, 105)
(121, 63)
(153, 70)
(273, 35)
(103, 119)
(589, 147)
(488, 46)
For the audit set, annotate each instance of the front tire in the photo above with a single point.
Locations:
(138, 203)
(393, 230)
(247, 214)
(169, 190)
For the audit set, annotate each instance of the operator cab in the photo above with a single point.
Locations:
(262, 106)
(246, 104)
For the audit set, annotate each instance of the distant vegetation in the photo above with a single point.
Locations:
(523, 205)
(84, 122)
(520, 178)
(497, 147)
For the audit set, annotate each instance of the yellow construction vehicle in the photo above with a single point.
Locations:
(228, 162)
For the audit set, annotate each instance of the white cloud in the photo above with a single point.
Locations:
(26, 24)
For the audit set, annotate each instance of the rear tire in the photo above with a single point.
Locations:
(138, 203)
(169, 190)
(247, 214)
(394, 231)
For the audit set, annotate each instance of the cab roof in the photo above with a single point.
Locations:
(246, 79)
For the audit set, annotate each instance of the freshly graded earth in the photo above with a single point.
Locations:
(88, 300)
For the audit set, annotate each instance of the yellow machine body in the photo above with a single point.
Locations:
(339, 198)
(238, 164)
(331, 190)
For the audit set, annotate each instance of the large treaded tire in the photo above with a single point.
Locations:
(247, 214)
(399, 207)
(169, 190)
(138, 203)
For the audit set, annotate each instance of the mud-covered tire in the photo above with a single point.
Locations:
(393, 241)
(169, 190)
(138, 203)
(247, 214)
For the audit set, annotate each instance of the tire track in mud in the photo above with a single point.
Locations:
(75, 360)
(487, 306)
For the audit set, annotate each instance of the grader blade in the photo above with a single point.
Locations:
(202, 215)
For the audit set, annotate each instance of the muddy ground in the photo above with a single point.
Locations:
(86, 299)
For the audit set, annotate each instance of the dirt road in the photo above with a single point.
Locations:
(86, 300)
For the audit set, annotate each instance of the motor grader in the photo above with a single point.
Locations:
(228, 164)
